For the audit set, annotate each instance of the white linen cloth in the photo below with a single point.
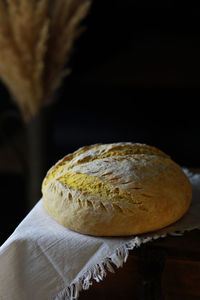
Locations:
(44, 260)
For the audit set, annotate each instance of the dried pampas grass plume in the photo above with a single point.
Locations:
(36, 40)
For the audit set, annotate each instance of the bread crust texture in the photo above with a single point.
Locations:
(117, 189)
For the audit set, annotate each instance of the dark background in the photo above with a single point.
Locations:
(134, 77)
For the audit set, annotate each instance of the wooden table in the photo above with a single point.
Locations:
(168, 268)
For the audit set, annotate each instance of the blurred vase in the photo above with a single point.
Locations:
(38, 132)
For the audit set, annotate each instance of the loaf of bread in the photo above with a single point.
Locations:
(116, 190)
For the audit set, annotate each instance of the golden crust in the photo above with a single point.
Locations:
(116, 189)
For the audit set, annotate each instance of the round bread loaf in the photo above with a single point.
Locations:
(116, 190)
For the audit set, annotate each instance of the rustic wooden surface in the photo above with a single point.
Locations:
(180, 278)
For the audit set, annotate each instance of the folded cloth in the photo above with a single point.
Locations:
(44, 260)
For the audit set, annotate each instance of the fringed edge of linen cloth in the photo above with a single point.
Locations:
(99, 271)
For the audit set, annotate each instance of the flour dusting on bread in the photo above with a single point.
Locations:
(116, 189)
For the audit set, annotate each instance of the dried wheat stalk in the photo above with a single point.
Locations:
(36, 39)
